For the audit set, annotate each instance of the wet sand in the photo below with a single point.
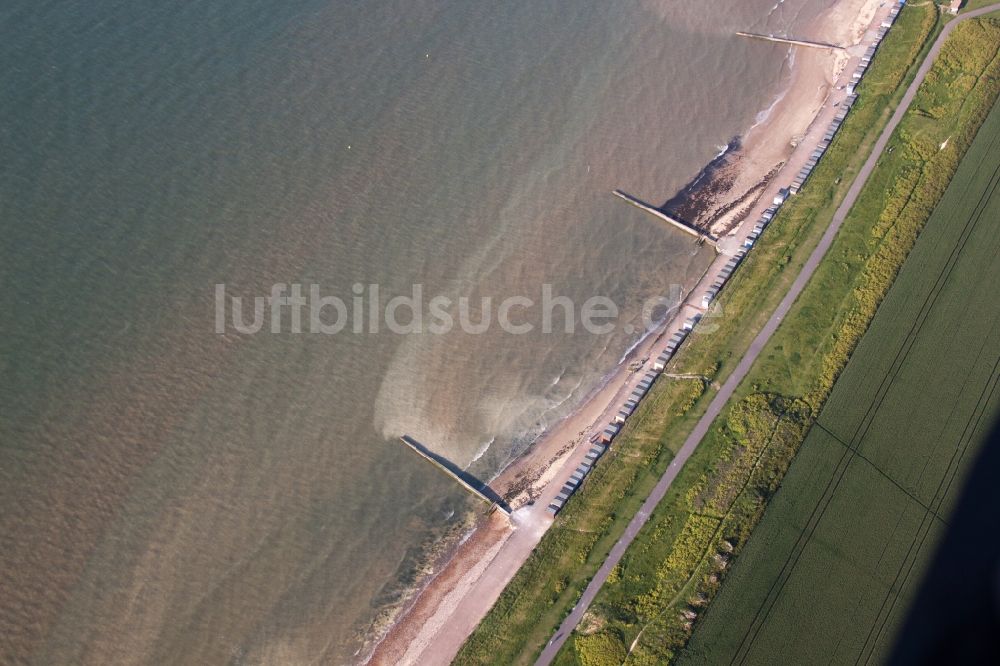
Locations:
(433, 628)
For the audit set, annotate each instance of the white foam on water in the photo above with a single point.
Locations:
(483, 449)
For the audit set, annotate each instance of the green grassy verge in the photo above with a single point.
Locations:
(655, 600)
(552, 579)
(831, 569)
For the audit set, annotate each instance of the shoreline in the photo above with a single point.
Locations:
(433, 625)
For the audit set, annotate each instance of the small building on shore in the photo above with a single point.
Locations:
(609, 433)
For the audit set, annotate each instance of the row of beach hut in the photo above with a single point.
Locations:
(734, 261)
(724, 274)
(600, 442)
(576, 478)
(821, 147)
(849, 101)
(869, 54)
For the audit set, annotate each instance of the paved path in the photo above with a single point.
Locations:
(715, 408)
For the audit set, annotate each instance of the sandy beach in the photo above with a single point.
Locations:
(432, 629)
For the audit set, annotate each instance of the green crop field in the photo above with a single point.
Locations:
(831, 568)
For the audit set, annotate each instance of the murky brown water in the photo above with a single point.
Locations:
(169, 495)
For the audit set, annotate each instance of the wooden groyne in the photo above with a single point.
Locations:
(652, 210)
(466, 480)
(790, 40)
